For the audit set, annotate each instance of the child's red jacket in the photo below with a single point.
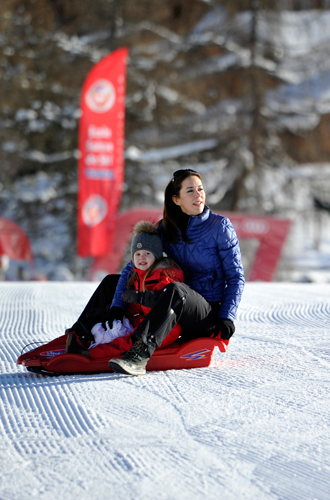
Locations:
(161, 277)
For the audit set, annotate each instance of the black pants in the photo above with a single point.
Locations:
(177, 304)
(102, 297)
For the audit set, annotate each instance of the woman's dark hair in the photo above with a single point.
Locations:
(172, 214)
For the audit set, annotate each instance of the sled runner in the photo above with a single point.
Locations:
(51, 358)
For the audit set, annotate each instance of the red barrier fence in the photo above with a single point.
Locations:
(13, 241)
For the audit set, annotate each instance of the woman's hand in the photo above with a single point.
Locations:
(115, 312)
(224, 328)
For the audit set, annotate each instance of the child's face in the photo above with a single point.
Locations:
(143, 259)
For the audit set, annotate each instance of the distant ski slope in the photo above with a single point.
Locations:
(255, 425)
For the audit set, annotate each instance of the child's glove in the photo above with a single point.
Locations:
(224, 328)
(150, 298)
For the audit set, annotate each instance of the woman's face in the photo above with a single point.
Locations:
(191, 199)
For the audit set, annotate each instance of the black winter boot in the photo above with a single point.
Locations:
(73, 347)
(81, 330)
(134, 362)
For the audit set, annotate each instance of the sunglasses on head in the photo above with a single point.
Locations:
(183, 171)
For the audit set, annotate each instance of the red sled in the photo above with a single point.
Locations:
(52, 359)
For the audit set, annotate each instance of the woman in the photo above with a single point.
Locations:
(205, 246)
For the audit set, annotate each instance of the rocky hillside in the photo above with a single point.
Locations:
(240, 95)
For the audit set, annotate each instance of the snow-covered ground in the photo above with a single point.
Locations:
(252, 426)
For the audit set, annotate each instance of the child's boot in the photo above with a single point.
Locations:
(135, 360)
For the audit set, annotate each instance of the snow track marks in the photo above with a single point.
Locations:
(254, 425)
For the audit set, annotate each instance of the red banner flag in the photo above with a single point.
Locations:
(101, 146)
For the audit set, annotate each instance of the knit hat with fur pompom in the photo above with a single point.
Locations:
(146, 238)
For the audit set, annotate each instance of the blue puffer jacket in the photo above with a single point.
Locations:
(211, 263)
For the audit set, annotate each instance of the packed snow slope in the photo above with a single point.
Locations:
(252, 426)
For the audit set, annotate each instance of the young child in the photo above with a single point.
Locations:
(152, 272)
